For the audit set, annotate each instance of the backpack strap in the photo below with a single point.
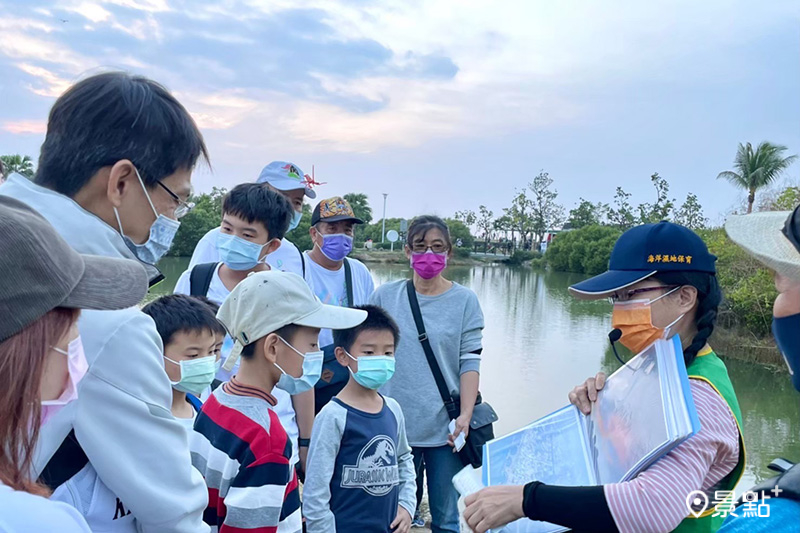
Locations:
(303, 263)
(68, 460)
(194, 401)
(449, 402)
(348, 282)
(200, 278)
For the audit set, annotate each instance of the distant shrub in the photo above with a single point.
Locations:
(586, 250)
(521, 256)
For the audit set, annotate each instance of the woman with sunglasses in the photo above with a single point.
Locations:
(662, 282)
(44, 286)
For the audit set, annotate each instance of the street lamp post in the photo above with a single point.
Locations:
(383, 231)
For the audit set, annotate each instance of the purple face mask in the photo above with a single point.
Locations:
(429, 264)
(336, 247)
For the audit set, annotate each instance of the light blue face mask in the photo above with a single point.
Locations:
(162, 233)
(196, 374)
(238, 253)
(296, 217)
(373, 370)
(312, 370)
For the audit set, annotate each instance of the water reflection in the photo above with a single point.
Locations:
(540, 342)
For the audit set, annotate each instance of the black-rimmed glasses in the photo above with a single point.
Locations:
(183, 207)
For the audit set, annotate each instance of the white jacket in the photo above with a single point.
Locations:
(122, 416)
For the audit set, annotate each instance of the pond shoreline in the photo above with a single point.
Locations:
(734, 344)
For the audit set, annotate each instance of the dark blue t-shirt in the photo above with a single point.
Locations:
(364, 486)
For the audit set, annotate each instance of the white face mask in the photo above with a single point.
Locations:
(162, 233)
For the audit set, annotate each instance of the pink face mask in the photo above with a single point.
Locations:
(429, 264)
(77, 367)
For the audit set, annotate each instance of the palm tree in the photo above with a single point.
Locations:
(755, 169)
(17, 163)
(360, 204)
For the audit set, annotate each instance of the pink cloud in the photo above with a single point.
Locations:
(23, 127)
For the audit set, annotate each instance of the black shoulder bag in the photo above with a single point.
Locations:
(483, 415)
(334, 376)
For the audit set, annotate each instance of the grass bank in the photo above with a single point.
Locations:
(736, 344)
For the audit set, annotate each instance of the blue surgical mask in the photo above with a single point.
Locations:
(162, 233)
(296, 217)
(196, 374)
(787, 336)
(238, 253)
(312, 370)
(373, 370)
(336, 247)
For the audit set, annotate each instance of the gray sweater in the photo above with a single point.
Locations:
(454, 324)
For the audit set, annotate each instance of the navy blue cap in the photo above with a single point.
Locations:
(645, 250)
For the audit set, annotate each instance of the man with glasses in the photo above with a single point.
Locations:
(114, 177)
(336, 280)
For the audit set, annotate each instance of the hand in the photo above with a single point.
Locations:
(402, 522)
(788, 301)
(303, 452)
(462, 425)
(493, 507)
(583, 395)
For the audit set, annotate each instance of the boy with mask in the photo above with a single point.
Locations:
(360, 468)
(774, 239)
(240, 446)
(254, 220)
(189, 329)
(335, 279)
(288, 180)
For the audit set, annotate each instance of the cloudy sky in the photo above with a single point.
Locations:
(442, 104)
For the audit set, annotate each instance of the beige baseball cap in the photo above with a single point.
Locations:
(264, 302)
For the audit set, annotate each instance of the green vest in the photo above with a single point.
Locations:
(710, 368)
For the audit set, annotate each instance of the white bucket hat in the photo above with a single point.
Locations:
(772, 237)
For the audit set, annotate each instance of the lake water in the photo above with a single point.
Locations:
(539, 342)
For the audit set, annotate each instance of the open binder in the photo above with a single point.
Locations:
(644, 410)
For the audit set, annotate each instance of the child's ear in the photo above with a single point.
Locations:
(271, 246)
(341, 356)
(270, 348)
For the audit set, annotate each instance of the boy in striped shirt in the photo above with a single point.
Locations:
(239, 444)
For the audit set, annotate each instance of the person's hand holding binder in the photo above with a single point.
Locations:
(585, 394)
